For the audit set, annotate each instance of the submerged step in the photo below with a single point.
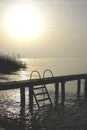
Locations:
(41, 93)
(39, 100)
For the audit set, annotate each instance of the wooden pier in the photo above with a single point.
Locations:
(50, 80)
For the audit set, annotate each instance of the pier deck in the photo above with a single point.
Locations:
(50, 80)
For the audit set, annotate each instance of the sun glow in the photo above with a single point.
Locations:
(23, 22)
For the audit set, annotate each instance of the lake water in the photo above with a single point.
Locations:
(10, 99)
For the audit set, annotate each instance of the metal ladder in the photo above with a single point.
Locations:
(40, 93)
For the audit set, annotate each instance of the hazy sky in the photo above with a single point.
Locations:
(64, 33)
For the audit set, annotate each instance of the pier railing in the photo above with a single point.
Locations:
(50, 80)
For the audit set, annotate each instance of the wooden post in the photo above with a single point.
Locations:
(62, 91)
(85, 88)
(22, 92)
(31, 98)
(78, 87)
(56, 92)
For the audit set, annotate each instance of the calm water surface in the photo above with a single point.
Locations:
(10, 100)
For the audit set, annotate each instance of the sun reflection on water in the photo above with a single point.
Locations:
(24, 75)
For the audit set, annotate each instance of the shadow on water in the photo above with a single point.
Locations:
(27, 121)
(68, 116)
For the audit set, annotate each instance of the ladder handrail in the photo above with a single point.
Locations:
(48, 71)
(35, 72)
(45, 85)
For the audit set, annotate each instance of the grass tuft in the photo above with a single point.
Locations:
(9, 64)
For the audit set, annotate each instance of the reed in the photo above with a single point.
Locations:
(10, 64)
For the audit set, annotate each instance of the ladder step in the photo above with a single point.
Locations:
(39, 100)
(38, 88)
(41, 93)
(46, 105)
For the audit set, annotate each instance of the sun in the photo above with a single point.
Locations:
(23, 22)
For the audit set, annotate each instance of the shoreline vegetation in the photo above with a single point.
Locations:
(9, 64)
